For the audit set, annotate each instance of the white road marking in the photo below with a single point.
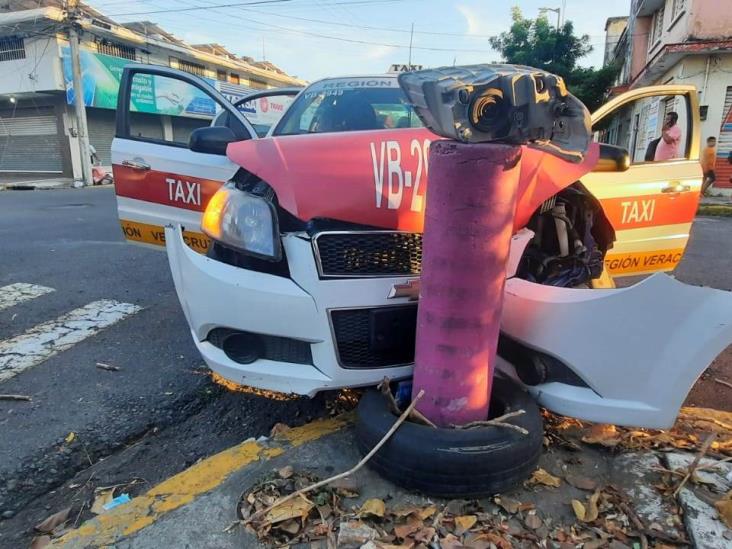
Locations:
(45, 340)
(20, 292)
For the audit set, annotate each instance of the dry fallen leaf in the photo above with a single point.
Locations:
(405, 511)
(70, 437)
(426, 512)
(464, 523)
(102, 498)
(540, 476)
(295, 508)
(278, 429)
(291, 526)
(578, 481)
(724, 508)
(509, 505)
(424, 535)
(374, 507)
(286, 472)
(51, 522)
(579, 509)
(403, 530)
(593, 510)
(605, 435)
(40, 541)
(450, 542)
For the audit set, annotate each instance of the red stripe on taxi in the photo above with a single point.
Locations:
(650, 210)
(190, 193)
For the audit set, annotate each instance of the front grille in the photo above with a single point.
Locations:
(246, 347)
(375, 338)
(368, 253)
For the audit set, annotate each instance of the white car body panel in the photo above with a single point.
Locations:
(214, 294)
(640, 368)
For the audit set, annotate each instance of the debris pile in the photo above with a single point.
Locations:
(688, 433)
(324, 518)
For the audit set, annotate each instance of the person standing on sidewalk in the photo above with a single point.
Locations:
(708, 158)
(668, 146)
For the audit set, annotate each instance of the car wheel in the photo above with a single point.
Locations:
(454, 462)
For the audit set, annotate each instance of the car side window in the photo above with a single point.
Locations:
(264, 112)
(164, 109)
(652, 129)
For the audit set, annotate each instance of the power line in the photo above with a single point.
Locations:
(240, 4)
(369, 27)
(365, 42)
(212, 6)
(183, 11)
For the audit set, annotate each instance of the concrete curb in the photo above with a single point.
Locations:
(40, 184)
(48, 185)
(718, 210)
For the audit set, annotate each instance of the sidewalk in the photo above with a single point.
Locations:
(8, 183)
(631, 492)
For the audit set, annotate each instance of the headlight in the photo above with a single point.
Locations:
(243, 221)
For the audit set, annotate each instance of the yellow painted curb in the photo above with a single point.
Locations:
(186, 486)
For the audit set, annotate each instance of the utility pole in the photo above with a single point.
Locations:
(411, 37)
(79, 107)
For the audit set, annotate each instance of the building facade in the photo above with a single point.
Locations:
(682, 42)
(38, 132)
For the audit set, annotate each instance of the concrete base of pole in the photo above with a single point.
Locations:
(471, 201)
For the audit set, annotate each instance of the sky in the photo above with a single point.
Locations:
(313, 39)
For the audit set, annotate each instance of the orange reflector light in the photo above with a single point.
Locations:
(211, 220)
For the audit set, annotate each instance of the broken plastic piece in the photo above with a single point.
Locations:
(119, 500)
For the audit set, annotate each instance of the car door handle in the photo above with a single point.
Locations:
(136, 165)
(676, 187)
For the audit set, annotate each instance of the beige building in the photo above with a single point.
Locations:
(682, 42)
(37, 122)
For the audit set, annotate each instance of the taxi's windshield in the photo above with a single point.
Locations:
(348, 105)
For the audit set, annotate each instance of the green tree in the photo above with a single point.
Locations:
(536, 43)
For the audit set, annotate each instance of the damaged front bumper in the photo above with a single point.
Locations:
(634, 353)
(637, 350)
(289, 320)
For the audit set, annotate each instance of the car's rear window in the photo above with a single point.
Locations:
(349, 104)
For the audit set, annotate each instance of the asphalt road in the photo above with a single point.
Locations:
(70, 241)
(159, 412)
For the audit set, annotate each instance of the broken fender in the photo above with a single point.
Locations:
(638, 349)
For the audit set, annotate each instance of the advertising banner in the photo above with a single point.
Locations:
(265, 111)
(101, 75)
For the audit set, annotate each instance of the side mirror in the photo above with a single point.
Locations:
(211, 140)
(612, 159)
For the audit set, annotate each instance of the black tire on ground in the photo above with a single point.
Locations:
(452, 462)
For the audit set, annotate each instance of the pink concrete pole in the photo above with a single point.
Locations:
(471, 200)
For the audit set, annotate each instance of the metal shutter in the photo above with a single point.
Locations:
(29, 141)
(146, 125)
(101, 124)
(183, 127)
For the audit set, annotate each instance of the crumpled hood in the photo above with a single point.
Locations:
(379, 178)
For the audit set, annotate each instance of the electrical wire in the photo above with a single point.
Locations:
(238, 4)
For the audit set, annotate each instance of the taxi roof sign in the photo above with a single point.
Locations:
(404, 67)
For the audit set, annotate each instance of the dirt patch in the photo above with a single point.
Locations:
(709, 393)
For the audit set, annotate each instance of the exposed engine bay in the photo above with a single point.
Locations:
(571, 237)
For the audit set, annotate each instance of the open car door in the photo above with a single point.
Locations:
(652, 204)
(158, 178)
